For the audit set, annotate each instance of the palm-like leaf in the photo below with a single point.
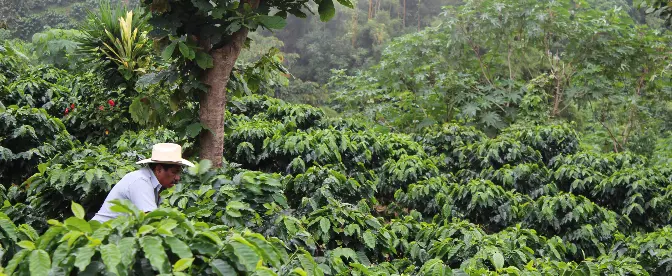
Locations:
(129, 52)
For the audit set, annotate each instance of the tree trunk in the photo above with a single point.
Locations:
(355, 18)
(213, 103)
(404, 18)
(418, 15)
(370, 9)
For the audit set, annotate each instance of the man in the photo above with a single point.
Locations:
(142, 187)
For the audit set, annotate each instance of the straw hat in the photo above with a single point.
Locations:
(167, 153)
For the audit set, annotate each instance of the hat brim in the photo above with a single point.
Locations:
(181, 162)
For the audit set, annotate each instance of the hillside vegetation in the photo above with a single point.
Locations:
(513, 138)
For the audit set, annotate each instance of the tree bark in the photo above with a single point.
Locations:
(213, 103)
(355, 18)
(404, 18)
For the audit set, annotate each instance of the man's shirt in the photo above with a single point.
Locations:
(140, 187)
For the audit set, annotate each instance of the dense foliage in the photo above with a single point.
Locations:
(496, 143)
(345, 198)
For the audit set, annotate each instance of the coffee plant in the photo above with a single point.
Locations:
(303, 194)
(28, 136)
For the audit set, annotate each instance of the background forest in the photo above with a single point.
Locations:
(407, 65)
(382, 137)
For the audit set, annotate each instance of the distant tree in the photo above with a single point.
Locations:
(660, 8)
(211, 34)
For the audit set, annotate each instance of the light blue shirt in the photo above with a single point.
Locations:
(140, 187)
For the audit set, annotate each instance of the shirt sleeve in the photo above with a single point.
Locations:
(142, 195)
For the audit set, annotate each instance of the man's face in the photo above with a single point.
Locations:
(168, 177)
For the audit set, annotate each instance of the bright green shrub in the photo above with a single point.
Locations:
(577, 180)
(399, 173)
(630, 192)
(395, 145)
(301, 115)
(320, 184)
(483, 203)
(531, 179)
(340, 224)
(85, 174)
(41, 87)
(248, 199)
(652, 250)
(162, 241)
(497, 153)
(251, 105)
(605, 265)
(549, 140)
(603, 163)
(136, 146)
(343, 124)
(580, 173)
(576, 220)
(28, 136)
(292, 231)
(448, 140)
(244, 140)
(15, 207)
(422, 196)
(315, 147)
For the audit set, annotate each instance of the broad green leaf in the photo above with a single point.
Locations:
(182, 264)
(42, 167)
(166, 227)
(145, 229)
(212, 236)
(127, 248)
(111, 256)
(78, 210)
(266, 249)
(48, 236)
(245, 254)
(347, 3)
(309, 264)
(272, 22)
(186, 51)
(264, 271)
(89, 175)
(26, 245)
(498, 260)
(326, 10)
(325, 225)
(61, 252)
(180, 248)
(153, 248)
(8, 227)
(222, 268)
(39, 263)
(139, 112)
(83, 257)
(78, 224)
(203, 60)
(369, 239)
(168, 52)
(194, 129)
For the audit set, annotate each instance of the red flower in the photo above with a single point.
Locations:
(72, 106)
(101, 108)
(66, 111)
(111, 102)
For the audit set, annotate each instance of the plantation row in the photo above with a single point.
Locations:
(307, 194)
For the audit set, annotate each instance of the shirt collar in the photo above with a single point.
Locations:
(152, 178)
